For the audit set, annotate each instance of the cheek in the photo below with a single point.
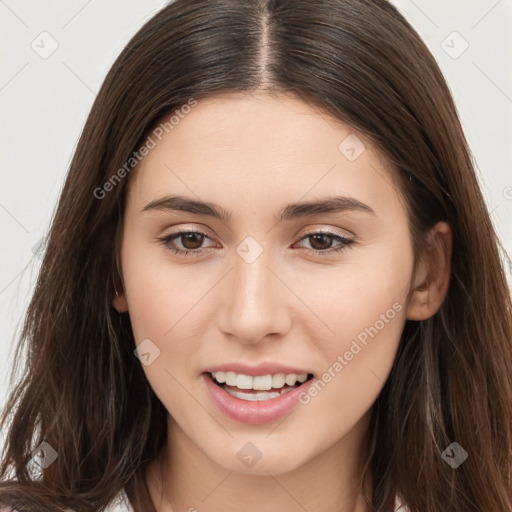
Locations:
(368, 291)
(167, 302)
(367, 312)
(160, 307)
(361, 301)
(157, 305)
(159, 293)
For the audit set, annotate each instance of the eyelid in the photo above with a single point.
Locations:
(346, 241)
(327, 231)
(204, 231)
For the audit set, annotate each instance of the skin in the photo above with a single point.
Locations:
(290, 305)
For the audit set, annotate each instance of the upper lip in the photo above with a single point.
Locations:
(268, 368)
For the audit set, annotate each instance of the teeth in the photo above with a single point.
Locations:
(243, 381)
(230, 378)
(257, 397)
(260, 382)
(291, 379)
(220, 377)
(278, 380)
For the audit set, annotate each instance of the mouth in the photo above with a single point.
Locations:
(256, 394)
(258, 388)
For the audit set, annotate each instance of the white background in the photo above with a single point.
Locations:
(44, 103)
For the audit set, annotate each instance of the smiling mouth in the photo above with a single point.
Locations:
(258, 388)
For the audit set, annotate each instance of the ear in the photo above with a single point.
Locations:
(432, 276)
(119, 302)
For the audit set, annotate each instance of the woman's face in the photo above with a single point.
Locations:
(306, 270)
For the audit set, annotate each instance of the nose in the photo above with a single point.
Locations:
(255, 301)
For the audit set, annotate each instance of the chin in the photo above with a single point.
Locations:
(260, 457)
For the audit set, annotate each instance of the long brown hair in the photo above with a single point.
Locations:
(83, 391)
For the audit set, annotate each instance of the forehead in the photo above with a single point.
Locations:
(239, 148)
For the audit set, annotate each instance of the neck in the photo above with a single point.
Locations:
(184, 478)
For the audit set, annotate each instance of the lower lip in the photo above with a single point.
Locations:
(255, 413)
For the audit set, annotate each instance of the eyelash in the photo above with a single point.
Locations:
(344, 242)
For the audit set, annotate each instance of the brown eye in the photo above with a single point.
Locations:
(192, 240)
(184, 242)
(322, 243)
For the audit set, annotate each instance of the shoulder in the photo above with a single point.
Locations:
(400, 505)
(120, 503)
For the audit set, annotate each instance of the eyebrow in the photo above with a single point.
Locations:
(334, 204)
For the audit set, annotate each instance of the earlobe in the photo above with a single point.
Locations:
(432, 277)
(119, 302)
